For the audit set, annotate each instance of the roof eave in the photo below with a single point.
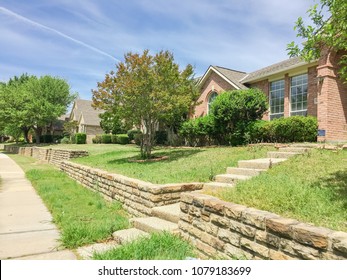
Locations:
(260, 78)
(203, 79)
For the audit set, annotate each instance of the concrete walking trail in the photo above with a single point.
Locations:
(26, 228)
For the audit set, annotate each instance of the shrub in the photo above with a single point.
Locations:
(132, 133)
(199, 131)
(65, 140)
(161, 137)
(106, 138)
(122, 139)
(97, 139)
(114, 139)
(80, 138)
(283, 130)
(232, 111)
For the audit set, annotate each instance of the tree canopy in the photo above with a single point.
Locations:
(147, 90)
(328, 29)
(29, 102)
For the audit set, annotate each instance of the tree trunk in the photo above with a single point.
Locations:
(26, 133)
(38, 132)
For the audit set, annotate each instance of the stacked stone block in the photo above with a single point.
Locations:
(138, 197)
(227, 230)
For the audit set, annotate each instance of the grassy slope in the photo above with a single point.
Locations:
(83, 216)
(183, 165)
(159, 246)
(311, 188)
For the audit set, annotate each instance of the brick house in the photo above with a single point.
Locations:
(293, 87)
(87, 118)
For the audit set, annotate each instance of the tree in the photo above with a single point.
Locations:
(328, 30)
(233, 110)
(111, 123)
(50, 98)
(30, 102)
(147, 90)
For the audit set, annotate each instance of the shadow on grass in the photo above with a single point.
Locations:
(337, 182)
(172, 155)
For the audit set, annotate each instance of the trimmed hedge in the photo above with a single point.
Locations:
(106, 139)
(283, 130)
(80, 138)
(122, 139)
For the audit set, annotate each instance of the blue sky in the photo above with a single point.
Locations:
(82, 40)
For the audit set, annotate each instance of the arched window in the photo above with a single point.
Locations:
(211, 98)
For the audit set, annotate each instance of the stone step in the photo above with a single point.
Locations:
(153, 224)
(281, 154)
(128, 235)
(169, 213)
(244, 171)
(230, 178)
(260, 163)
(218, 185)
(86, 252)
(294, 149)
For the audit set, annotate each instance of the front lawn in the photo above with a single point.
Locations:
(310, 188)
(83, 216)
(182, 165)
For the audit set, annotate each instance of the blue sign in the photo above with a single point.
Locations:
(321, 132)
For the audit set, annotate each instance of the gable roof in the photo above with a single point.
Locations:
(84, 108)
(274, 69)
(233, 77)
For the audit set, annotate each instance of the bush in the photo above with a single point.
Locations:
(131, 134)
(106, 139)
(97, 139)
(283, 130)
(65, 140)
(160, 137)
(122, 139)
(232, 111)
(114, 139)
(80, 138)
(199, 131)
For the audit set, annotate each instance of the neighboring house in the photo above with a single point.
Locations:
(87, 118)
(293, 87)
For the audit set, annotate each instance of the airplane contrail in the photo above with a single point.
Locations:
(39, 25)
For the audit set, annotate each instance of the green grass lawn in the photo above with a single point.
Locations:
(183, 164)
(310, 188)
(159, 246)
(83, 216)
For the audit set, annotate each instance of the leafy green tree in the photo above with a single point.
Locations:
(13, 100)
(30, 102)
(233, 110)
(111, 123)
(327, 30)
(147, 90)
(50, 98)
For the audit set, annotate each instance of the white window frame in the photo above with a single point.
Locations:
(299, 82)
(276, 87)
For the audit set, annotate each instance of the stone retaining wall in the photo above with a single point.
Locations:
(138, 197)
(224, 229)
(53, 156)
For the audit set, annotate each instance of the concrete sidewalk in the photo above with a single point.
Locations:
(26, 228)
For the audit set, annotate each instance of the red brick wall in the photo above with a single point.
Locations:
(263, 86)
(312, 91)
(332, 98)
(213, 83)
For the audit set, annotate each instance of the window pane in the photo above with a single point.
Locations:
(298, 95)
